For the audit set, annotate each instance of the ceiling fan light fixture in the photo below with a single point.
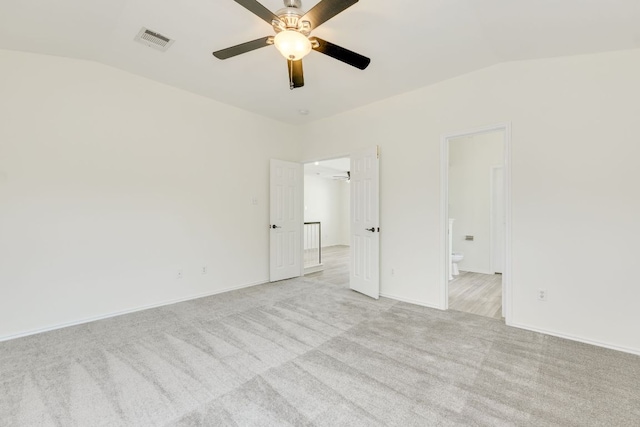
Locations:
(292, 44)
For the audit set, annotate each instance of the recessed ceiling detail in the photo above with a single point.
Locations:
(153, 40)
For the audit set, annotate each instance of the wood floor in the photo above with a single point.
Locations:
(336, 265)
(476, 293)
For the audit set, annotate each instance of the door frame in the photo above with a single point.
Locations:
(492, 225)
(444, 214)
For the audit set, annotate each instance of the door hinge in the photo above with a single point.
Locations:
(378, 152)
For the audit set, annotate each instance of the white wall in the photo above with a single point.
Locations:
(111, 183)
(470, 161)
(575, 178)
(327, 200)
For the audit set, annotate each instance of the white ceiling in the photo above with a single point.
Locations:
(411, 44)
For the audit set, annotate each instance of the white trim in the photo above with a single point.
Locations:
(410, 301)
(578, 339)
(445, 251)
(313, 269)
(128, 311)
(444, 212)
(492, 240)
(492, 230)
(300, 208)
(506, 273)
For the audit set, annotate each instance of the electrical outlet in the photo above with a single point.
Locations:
(393, 271)
(204, 270)
(542, 294)
(180, 274)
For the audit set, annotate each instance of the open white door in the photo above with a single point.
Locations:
(365, 227)
(285, 227)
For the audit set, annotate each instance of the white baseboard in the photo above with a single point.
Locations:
(132, 310)
(477, 271)
(577, 338)
(531, 328)
(410, 301)
(247, 285)
(313, 269)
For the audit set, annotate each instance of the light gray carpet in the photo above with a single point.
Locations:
(311, 352)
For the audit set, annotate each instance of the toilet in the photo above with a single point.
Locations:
(456, 257)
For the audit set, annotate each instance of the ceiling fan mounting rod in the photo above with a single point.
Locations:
(293, 3)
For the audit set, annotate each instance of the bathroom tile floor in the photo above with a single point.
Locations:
(476, 293)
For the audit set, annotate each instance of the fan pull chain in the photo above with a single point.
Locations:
(290, 75)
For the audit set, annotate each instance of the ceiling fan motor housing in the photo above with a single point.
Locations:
(290, 17)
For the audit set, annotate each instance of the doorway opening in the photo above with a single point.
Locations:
(286, 212)
(476, 201)
(326, 234)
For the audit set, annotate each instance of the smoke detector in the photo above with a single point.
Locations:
(153, 40)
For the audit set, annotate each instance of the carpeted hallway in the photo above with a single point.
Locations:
(310, 352)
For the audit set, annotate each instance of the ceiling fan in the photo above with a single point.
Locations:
(293, 27)
(346, 177)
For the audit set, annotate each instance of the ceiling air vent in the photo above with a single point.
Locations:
(154, 40)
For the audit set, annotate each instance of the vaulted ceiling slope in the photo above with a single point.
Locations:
(411, 44)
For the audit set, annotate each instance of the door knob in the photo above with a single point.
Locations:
(274, 226)
(372, 229)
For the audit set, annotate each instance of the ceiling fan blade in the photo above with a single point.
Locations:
(296, 76)
(241, 48)
(326, 10)
(259, 10)
(341, 54)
